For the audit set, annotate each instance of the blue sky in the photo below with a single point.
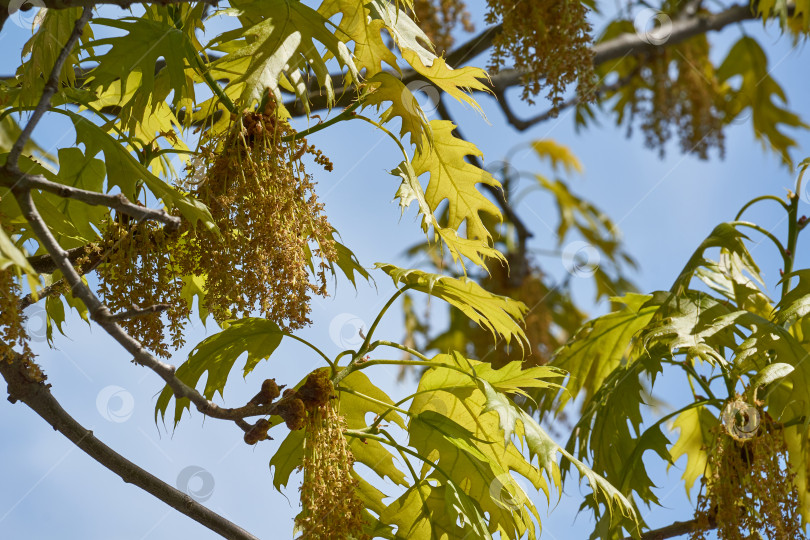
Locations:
(665, 207)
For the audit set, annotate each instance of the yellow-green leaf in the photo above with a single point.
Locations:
(500, 315)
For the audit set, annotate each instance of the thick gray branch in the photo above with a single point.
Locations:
(11, 177)
(117, 202)
(40, 399)
(618, 47)
(102, 315)
(633, 44)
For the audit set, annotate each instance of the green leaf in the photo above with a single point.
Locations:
(470, 448)
(54, 315)
(288, 457)
(347, 262)
(356, 22)
(601, 346)
(386, 88)
(542, 446)
(78, 171)
(696, 436)
(693, 323)
(796, 303)
(410, 190)
(608, 433)
(362, 398)
(501, 315)
(770, 373)
(11, 255)
(731, 242)
(758, 90)
(459, 82)
(44, 48)
(455, 180)
(558, 154)
(10, 131)
(217, 355)
(406, 33)
(278, 43)
(132, 58)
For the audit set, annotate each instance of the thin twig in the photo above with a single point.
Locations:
(39, 398)
(137, 311)
(45, 292)
(523, 125)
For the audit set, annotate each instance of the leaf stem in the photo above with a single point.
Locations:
(387, 132)
(214, 86)
(758, 199)
(365, 347)
(314, 348)
(347, 114)
(793, 234)
(690, 370)
(395, 345)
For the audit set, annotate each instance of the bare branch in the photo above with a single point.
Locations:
(39, 398)
(45, 292)
(678, 528)
(138, 311)
(51, 86)
(11, 177)
(523, 125)
(43, 264)
(682, 29)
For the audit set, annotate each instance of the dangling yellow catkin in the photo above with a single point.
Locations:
(331, 509)
(749, 488)
(269, 218)
(549, 42)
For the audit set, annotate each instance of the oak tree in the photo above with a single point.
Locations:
(189, 191)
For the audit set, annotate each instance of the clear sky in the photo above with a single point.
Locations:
(665, 207)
